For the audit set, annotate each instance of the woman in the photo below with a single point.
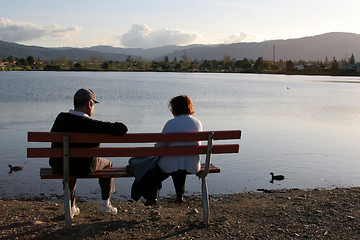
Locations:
(178, 167)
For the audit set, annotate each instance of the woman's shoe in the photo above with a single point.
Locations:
(135, 191)
(150, 202)
(180, 200)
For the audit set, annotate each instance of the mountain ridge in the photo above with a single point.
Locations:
(311, 48)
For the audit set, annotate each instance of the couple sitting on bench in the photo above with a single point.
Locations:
(78, 120)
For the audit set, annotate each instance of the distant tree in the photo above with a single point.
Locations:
(274, 66)
(177, 65)
(226, 59)
(70, 64)
(49, 67)
(22, 62)
(243, 64)
(195, 65)
(352, 59)
(95, 59)
(326, 63)
(105, 65)
(142, 64)
(289, 65)
(266, 65)
(258, 64)
(165, 65)
(77, 66)
(227, 63)
(186, 62)
(205, 65)
(129, 59)
(11, 59)
(30, 60)
(63, 62)
(156, 66)
(85, 63)
(334, 65)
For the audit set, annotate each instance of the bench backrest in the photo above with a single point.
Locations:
(124, 151)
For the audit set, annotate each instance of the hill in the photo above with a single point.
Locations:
(319, 47)
(22, 51)
(152, 53)
(338, 45)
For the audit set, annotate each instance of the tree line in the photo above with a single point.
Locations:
(185, 64)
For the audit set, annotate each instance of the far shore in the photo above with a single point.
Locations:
(299, 73)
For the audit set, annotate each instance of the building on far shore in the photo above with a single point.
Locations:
(350, 66)
(303, 66)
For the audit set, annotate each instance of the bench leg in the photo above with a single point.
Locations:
(205, 198)
(67, 205)
(67, 201)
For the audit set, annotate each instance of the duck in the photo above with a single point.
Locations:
(276, 177)
(15, 168)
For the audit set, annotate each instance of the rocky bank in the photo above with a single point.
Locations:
(280, 214)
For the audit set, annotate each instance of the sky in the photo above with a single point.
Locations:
(148, 24)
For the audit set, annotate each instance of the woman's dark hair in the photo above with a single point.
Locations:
(181, 104)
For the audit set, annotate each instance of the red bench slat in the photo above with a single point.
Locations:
(132, 137)
(130, 151)
(112, 172)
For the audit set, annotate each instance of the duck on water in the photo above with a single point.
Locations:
(276, 177)
(15, 168)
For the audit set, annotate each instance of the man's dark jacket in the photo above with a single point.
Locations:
(66, 122)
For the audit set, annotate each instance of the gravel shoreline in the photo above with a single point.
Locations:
(279, 214)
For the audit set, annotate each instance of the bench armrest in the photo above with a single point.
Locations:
(208, 156)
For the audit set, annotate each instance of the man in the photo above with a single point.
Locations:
(78, 120)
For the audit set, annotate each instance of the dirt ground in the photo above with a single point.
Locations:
(281, 214)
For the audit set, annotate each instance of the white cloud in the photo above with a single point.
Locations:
(144, 37)
(241, 37)
(58, 32)
(14, 31)
(252, 37)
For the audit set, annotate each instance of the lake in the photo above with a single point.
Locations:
(304, 127)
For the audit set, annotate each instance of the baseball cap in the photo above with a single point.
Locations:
(85, 94)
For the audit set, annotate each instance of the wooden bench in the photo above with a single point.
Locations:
(124, 151)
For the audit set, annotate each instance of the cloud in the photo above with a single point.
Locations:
(241, 37)
(252, 37)
(140, 35)
(58, 32)
(14, 31)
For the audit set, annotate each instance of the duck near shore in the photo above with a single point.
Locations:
(15, 168)
(276, 177)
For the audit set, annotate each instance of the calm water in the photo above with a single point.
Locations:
(304, 127)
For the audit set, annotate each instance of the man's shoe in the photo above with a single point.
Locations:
(74, 211)
(107, 209)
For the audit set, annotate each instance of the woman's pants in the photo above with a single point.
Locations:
(179, 178)
(151, 183)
